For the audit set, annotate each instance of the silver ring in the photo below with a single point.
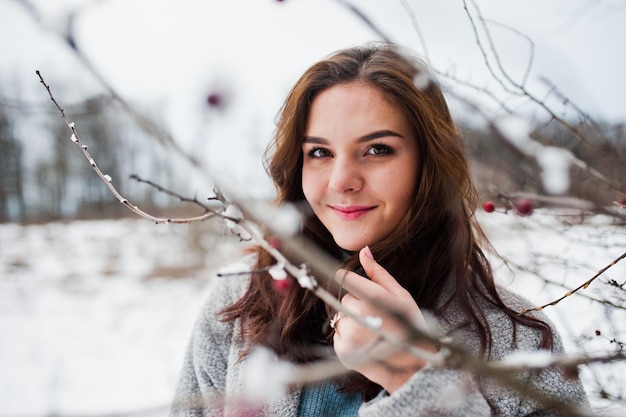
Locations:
(338, 316)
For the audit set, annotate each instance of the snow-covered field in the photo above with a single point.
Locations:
(95, 316)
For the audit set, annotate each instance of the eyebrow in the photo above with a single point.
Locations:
(366, 138)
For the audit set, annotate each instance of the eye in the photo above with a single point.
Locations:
(318, 153)
(379, 150)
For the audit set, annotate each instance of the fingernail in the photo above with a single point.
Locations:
(340, 275)
(368, 252)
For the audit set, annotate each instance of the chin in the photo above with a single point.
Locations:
(351, 246)
(350, 241)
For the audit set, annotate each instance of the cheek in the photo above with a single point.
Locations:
(399, 188)
(309, 185)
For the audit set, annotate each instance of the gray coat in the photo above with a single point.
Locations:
(214, 377)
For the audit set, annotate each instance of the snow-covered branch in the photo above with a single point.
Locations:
(295, 257)
(295, 262)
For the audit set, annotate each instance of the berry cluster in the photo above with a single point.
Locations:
(522, 206)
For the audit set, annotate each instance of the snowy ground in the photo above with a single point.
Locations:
(95, 316)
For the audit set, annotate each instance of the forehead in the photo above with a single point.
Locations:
(353, 93)
(354, 105)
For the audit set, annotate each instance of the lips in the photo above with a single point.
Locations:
(351, 212)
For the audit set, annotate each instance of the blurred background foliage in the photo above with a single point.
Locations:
(44, 177)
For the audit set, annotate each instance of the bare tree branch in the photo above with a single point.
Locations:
(297, 256)
(520, 89)
(585, 285)
(75, 137)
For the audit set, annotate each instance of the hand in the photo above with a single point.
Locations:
(391, 366)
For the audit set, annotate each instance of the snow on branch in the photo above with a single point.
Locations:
(233, 215)
(295, 257)
(108, 181)
(299, 254)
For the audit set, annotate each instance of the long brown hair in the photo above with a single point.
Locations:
(437, 241)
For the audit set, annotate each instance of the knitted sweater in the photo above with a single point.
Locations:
(324, 399)
(215, 380)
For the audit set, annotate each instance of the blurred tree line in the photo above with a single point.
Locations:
(43, 177)
(500, 169)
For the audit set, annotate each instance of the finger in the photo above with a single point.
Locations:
(357, 285)
(377, 273)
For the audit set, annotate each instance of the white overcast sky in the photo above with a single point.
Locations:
(167, 55)
(154, 48)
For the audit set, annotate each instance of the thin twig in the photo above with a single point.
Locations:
(483, 52)
(457, 356)
(300, 273)
(416, 26)
(75, 137)
(521, 90)
(452, 356)
(503, 137)
(584, 285)
(365, 19)
(174, 194)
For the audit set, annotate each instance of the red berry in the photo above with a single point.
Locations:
(524, 206)
(214, 100)
(282, 285)
(489, 207)
(274, 242)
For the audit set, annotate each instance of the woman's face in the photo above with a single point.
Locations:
(360, 164)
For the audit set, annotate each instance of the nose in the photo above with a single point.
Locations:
(345, 176)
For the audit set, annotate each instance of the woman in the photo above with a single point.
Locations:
(380, 164)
